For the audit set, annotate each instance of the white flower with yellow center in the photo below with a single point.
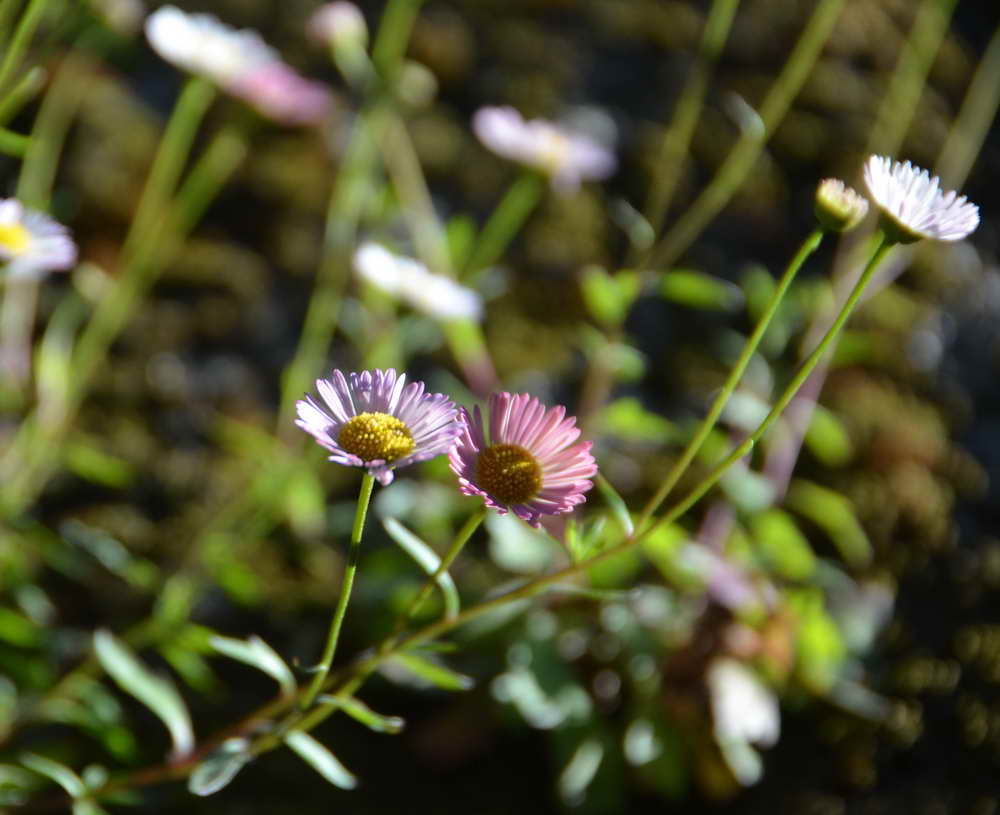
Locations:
(913, 204)
(374, 420)
(409, 280)
(31, 243)
(568, 158)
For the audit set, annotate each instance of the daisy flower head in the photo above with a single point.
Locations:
(913, 204)
(526, 461)
(239, 62)
(568, 158)
(838, 207)
(31, 243)
(373, 419)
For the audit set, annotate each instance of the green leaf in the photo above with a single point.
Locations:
(17, 629)
(86, 807)
(321, 760)
(85, 459)
(305, 503)
(157, 693)
(360, 712)
(628, 419)
(609, 297)
(820, 649)
(60, 773)
(617, 504)
(427, 559)
(220, 767)
(834, 513)
(785, 549)
(460, 233)
(827, 438)
(258, 654)
(699, 290)
(432, 673)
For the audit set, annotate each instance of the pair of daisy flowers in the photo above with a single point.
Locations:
(522, 457)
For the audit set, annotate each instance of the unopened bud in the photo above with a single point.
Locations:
(838, 207)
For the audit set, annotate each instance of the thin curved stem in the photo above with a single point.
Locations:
(810, 245)
(347, 583)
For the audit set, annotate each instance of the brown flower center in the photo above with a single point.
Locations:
(509, 473)
(372, 436)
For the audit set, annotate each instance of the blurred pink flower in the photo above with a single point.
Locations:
(568, 158)
(239, 62)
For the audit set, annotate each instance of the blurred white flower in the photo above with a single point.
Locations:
(568, 158)
(913, 204)
(240, 62)
(745, 712)
(338, 24)
(31, 243)
(410, 281)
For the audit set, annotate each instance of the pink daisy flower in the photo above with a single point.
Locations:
(526, 462)
(374, 420)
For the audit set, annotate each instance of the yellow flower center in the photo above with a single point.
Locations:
(372, 436)
(14, 238)
(509, 473)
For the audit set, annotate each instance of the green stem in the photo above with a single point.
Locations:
(347, 583)
(677, 139)
(22, 37)
(13, 144)
(810, 245)
(740, 161)
(393, 35)
(466, 532)
(505, 222)
(26, 89)
(170, 159)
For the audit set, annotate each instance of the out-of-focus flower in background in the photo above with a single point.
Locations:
(239, 62)
(568, 158)
(409, 280)
(373, 419)
(745, 712)
(526, 461)
(839, 208)
(914, 206)
(31, 243)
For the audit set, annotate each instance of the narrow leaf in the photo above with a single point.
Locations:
(427, 559)
(617, 504)
(157, 693)
(257, 653)
(321, 760)
(221, 767)
(60, 773)
(360, 712)
(432, 673)
(85, 807)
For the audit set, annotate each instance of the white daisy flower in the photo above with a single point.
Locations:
(410, 281)
(239, 62)
(567, 158)
(31, 243)
(913, 204)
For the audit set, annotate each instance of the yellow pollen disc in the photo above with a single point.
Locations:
(509, 473)
(372, 436)
(14, 238)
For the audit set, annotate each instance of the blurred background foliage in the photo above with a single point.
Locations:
(857, 577)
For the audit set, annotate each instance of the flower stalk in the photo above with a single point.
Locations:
(346, 584)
